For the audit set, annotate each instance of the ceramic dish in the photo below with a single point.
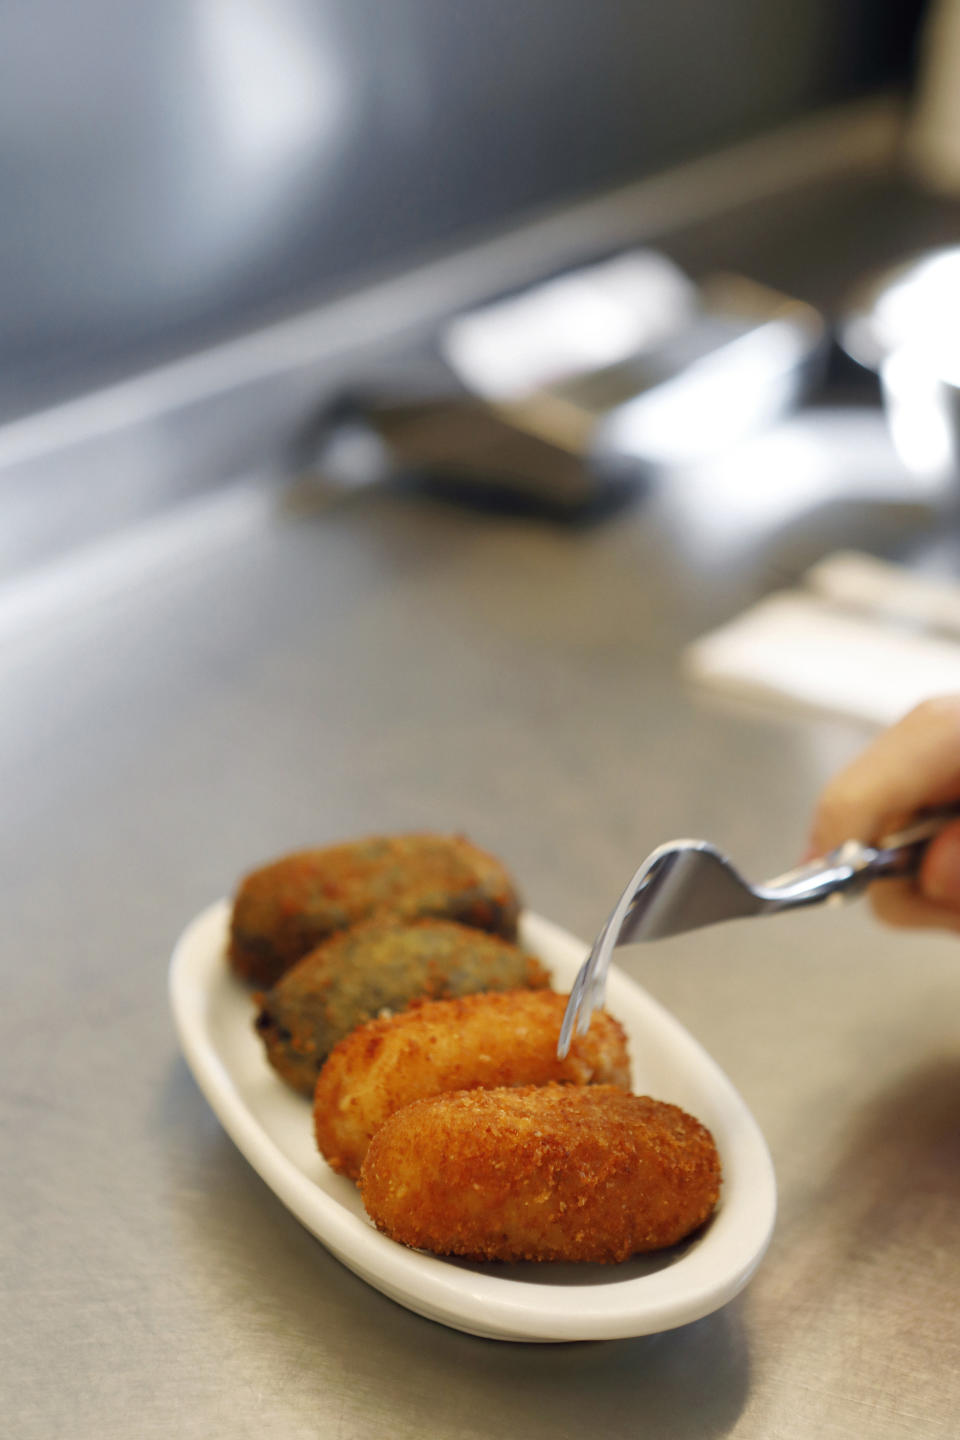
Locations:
(272, 1127)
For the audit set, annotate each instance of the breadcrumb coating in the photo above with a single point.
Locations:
(557, 1172)
(436, 1046)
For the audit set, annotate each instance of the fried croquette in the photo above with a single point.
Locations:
(359, 973)
(557, 1172)
(441, 1045)
(287, 908)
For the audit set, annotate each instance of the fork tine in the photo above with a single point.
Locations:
(571, 1015)
(593, 989)
(586, 993)
(588, 989)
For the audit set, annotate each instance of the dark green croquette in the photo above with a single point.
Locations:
(374, 968)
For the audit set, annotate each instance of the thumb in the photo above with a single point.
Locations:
(939, 878)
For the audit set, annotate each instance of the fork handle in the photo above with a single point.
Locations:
(848, 870)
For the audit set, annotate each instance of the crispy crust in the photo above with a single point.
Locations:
(287, 908)
(362, 972)
(441, 1045)
(541, 1173)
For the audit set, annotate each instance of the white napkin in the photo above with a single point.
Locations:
(865, 639)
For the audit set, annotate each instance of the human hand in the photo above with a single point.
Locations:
(915, 765)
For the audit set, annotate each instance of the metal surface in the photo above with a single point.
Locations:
(297, 678)
(688, 884)
(173, 175)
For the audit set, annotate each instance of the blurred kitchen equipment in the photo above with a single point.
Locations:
(933, 140)
(751, 357)
(688, 884)
(905, 324)
(561, 393)
(914, 303)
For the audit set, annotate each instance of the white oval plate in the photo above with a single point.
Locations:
(273, 1128)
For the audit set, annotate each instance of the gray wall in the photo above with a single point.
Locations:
(172, 173)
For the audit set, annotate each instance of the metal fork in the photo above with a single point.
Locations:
(687, 884)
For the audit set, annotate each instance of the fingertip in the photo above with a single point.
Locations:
(898, 904)
(840, 816)
(939, 877)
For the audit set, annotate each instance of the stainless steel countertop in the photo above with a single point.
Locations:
(270, 676)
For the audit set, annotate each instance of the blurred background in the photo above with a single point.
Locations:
(174, 175)
(261, 211)
(552, 258)
(246, 239)
(532, 418)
